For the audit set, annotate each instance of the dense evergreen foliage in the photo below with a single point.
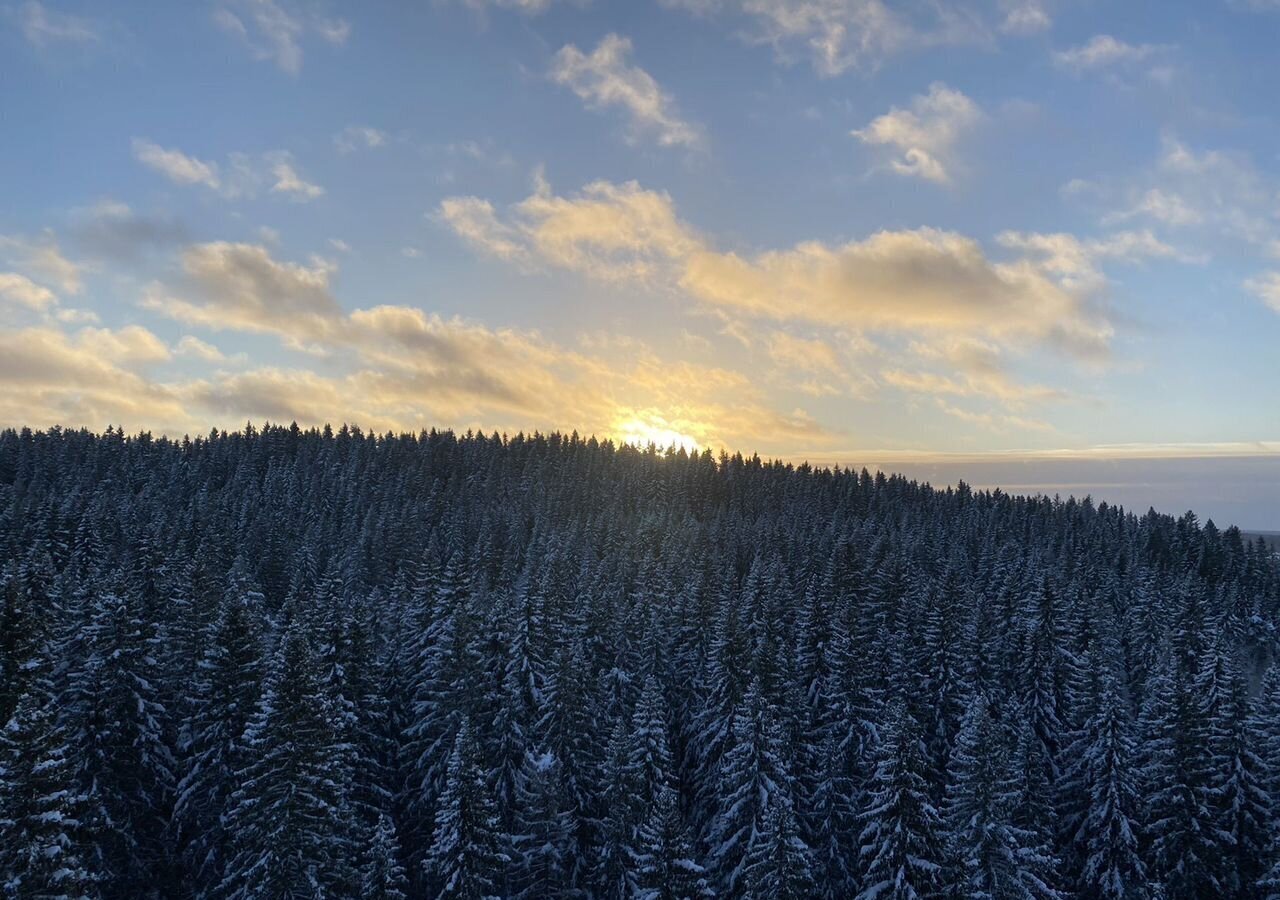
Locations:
(284, 663)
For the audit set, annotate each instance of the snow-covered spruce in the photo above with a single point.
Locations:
(287, 663)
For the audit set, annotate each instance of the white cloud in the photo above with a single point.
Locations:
(1076, 263)
(606, 79)
(240, 286)
(923, 280)
(474, 220)
(356, 137)
(528, 7)
(1102, 51)
(1266, 288)
(838, 35)
(1163, 206)
(242, 176)
(87, 378)
(1023, 17)
(43, 26)
(926, 133)
(192, 346)
(402, 368)
(131, 345)
(275, 31)
(288, 182)
(21, 290)
(43, 258)
(1219, 194)
(175, 165)
(608, 231)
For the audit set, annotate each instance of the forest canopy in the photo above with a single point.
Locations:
(303, 663)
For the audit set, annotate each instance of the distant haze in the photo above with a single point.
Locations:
(1231, 490)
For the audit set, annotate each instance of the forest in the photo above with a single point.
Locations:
(288, 663)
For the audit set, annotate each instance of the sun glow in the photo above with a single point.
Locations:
(641, 431)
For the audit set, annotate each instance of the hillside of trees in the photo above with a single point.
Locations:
(281, 663)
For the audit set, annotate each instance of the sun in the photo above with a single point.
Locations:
(641, 431)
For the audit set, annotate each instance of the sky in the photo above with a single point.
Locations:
(1028, 243)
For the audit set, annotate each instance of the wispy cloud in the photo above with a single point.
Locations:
(241, 176)
(175, 165)
(605, 78)
(42, 258)
(275, 31)
(839, 35)
(44, 26)
(1267, 288)
(288, 182)
(359, 137)
(1103, 51)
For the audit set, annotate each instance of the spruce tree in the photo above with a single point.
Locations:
(665, 864)
(902, 844)
(1108, 837)
(466, 859)
(383, 877)
(290, 818)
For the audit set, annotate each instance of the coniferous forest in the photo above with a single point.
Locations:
(283, 664)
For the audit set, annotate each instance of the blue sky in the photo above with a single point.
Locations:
(930, 235)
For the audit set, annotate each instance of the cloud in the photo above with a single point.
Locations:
(606, 79)
(528, 7)
(1266, 288)
(838, 35)
(358, 137)
(1220, 194)
(21, 290)
(1024, 17)
(609, 231)
(192, 346)
(1162, 206)
(275, 31)
(475, 221)
(43, 26)
(806, 355)
(131, 345)
(175, 165)
(1076, 263)
(926, 133)
(1102, 51)
(398, 367)
(42, 258)
(113, 230)
(901, 281)
(976, 369)
(242, 177)
(90, 377)
(288, 182)
(895, 281)
(240, 286)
